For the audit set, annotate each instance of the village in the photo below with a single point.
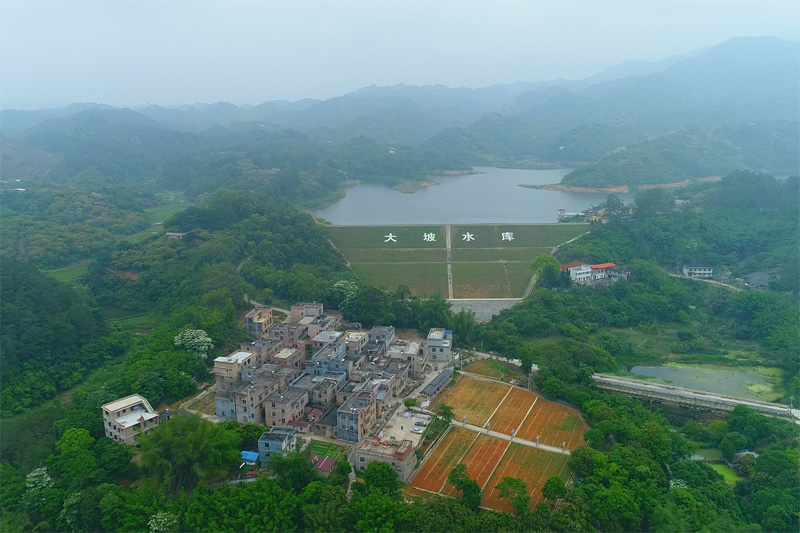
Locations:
(314, 375)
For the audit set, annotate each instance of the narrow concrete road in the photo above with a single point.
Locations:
(503, 436)
(449, 262)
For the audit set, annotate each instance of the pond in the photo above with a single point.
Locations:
(493, 196)
(741, 382)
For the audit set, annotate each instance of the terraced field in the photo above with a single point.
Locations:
(531, 465)
(489, 458)
(512, 411)
(447, 454)
(481, 460)
(475, 399)
(555, 424)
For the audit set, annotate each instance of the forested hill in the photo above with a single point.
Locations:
(46, 344)
(669, 158)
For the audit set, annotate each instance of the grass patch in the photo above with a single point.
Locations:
(140, 323)
(346, 237)
(730, 476)
(404, 255)
(486, 266)
(481, 280)
(568, 424)
(424, 279)
(170, 203)
(496, 369)
(204, 405)
(524, 235)
(69, 273)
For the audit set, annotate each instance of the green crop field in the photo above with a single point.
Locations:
(325, 449)
(486, 260)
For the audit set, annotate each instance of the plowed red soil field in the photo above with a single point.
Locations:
(476, 399)
(481, 460)
(555, 424)
(533, 466)
(512, 411)
(447, 454)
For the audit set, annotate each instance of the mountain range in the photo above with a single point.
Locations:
(735, 105)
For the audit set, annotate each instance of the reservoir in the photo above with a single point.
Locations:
(494, 196)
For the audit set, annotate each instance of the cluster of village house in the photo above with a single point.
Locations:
(353, 381)
(609, 272)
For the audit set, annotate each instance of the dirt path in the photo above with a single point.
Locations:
(711, 281)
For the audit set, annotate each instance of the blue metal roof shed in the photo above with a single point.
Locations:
(250, 457)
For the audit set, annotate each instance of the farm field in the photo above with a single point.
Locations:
(512, 411)
(555, 424)
(448, 453)
(533, 466)
(475, 399)
(481, 460)
(495, 369)
(488, 261)
(507, 406)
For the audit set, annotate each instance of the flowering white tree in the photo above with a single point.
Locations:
(35, 483)
(162, 521)
(196, 341)
(38, 480)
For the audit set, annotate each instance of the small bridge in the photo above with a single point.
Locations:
(692, 399)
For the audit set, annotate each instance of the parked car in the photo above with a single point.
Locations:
(416, 430)
(421, 423)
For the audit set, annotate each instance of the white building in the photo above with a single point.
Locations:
(601, 271)
(126, 418)
(440, 347)
(701, 272)
(580, 274)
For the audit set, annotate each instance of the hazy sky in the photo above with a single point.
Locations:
(171, 52)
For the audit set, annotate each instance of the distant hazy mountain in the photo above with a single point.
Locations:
(20, 160)
(118, 142)
(743, 91)
(737, 82)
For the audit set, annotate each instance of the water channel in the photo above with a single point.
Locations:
(493, 196)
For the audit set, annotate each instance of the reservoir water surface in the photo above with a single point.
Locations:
(494, 196)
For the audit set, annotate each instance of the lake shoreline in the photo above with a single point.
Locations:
(484, 195)
(621, 189)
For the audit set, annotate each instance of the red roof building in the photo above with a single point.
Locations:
(325, 465)
(602, 266)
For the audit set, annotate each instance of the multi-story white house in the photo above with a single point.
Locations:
(702, 272)
(128, 417)
(440, 347)
(580, 274)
